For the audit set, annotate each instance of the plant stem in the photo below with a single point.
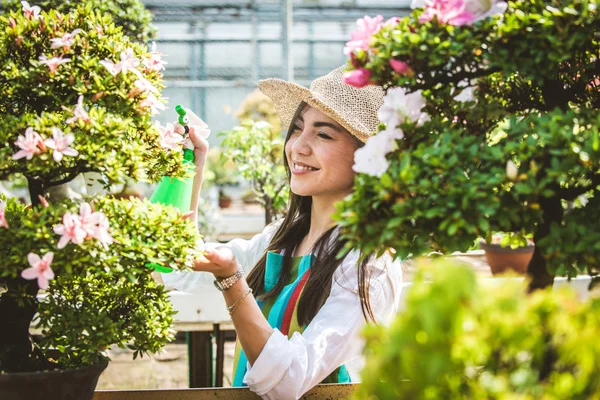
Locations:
(537, 269)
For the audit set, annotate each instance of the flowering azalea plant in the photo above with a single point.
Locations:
(77, 96)
(490, 123)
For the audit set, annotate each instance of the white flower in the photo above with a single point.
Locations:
(144, 85)
(129, 62)
(154, 60)
(399, 107)
(370, 159)
(466, 94)
(511, 170)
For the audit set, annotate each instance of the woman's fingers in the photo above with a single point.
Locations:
(220, 261)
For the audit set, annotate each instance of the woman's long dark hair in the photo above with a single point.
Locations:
(294, 228)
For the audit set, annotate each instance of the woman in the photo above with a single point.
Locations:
(299, 312)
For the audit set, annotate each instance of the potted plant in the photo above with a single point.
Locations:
(77, 96)
(508, 252)
(491, 123)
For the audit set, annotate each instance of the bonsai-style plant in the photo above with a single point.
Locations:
(77, 96)
(130, 15)
(491, 123)
(256, 146)
(458, 338)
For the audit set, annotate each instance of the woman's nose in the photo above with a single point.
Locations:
(301, 145)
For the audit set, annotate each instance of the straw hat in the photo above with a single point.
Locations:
(353, 108)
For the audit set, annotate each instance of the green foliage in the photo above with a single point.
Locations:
(459, 338)
(258, 152)
(130, 15)
(119, 142)
(535, 72)
(102, 296)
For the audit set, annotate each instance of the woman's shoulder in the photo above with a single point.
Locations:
(383, 269)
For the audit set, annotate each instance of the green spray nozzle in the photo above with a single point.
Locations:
(183, 118)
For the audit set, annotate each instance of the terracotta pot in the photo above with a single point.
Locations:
(225, 202)
(73, 384)
(503, 259)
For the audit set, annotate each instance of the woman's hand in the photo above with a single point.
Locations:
(196, 135)
(219, 261)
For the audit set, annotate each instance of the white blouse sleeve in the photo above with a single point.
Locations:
(247, 253)
(288, 368)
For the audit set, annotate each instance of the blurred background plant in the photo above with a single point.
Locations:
(256, 147)
(463, 338)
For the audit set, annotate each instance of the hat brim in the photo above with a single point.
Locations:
(287, 97)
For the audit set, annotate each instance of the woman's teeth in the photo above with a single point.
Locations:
(304, 168)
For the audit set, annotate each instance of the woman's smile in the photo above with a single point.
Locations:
(299, 168)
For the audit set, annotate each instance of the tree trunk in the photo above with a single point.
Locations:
(268, 210)
(537, 269)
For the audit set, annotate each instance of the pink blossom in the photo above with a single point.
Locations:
(392, 22)
(401, 68)
(169, 139)
(95, 224)
(142, 85)
(366, 27)
(30, 11)
(128, 62)
(452, 12)
(79, 113)
(154, 61)
(112, 68)
(60, 143)
(40, 269)
(3, 221)
(66, 41)
(358, 77)
(53, 62)
(71, 230)
(31, 144)
(154, 103)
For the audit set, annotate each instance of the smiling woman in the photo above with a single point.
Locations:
(299, 312)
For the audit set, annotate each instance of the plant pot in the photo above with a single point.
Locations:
(72, 384)
(503, 259)
(225, 202)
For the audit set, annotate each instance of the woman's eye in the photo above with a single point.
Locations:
(323, 135)
(296, 128)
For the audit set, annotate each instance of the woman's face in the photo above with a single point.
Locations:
(320, 154)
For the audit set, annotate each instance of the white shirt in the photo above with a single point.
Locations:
(288, 368)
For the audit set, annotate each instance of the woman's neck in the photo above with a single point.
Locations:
(320, 217)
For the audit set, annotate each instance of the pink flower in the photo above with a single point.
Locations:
(142, 85)
(3, 221)
(79, 112)
(95, 224)
(452, 12)
(358, 77)
(129, 62)
(154, 61)
(66, 41)
(30, 144)
(169, 139)
(40, 269)
(154, 103)
(112, 68)
(30, 11)
(60, 143)
(392, 22)
(71, 230)
(402, 68)
(53, 62)
(365, 29)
